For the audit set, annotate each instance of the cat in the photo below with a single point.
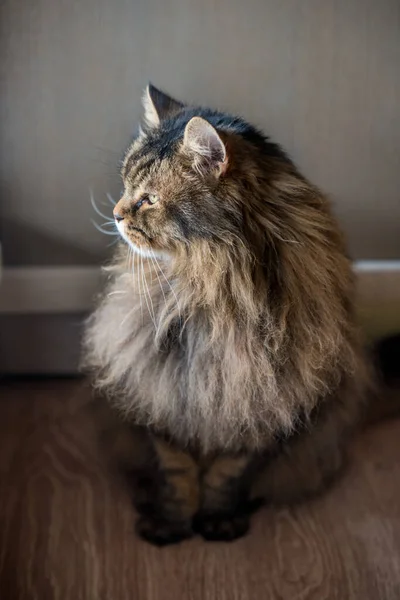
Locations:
(226, 337)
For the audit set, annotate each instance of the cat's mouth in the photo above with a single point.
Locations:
(128, 230)
(143, 233)
(136, 237)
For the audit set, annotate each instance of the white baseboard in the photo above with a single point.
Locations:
(71, 290)
(378, 297)
(41, 311)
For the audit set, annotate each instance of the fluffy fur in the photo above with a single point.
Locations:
(231, 327)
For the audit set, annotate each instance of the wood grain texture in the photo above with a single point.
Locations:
(66, 527)
(322, 77)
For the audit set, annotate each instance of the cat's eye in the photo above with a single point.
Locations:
(146, 199)
(153, 199)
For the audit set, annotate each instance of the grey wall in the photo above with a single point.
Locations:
(322, 76)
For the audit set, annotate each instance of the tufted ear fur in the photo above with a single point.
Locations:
(204, 143)
(158, 106)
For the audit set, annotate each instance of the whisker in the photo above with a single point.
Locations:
(153, 264)
(114, 233)
(96, 208)
(138, 280)
(128, 261)
(128, 264)
(169, 285)
(111, 199)
(147, 294)
(126, 317)
(151, 273)
(149, 288)
(159, 280)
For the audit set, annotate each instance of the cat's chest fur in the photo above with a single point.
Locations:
(198, 390)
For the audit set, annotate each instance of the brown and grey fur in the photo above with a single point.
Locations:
(229, 343)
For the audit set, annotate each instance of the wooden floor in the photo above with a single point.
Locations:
(66, 527)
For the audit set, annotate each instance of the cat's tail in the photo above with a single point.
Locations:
(386, 402)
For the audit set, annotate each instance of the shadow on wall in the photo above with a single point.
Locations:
(23, 245)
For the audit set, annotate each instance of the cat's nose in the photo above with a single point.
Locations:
(119, 211)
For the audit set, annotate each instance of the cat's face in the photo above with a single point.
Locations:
(171, 175)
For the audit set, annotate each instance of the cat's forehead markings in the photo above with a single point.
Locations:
(132, 160)
(138, 186)
(141, 187)
(133, 149)
(136, 179)
(138, 165)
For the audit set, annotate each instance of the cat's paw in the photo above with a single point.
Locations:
(221, 527)
(161, 532)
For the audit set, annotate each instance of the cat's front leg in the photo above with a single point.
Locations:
(169, 515)
(224, 510)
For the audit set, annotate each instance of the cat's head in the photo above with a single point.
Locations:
(181, 177)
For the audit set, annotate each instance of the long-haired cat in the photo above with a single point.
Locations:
(226, 336)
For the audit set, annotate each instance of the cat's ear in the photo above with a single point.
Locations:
(204, 143)
(158, 106)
